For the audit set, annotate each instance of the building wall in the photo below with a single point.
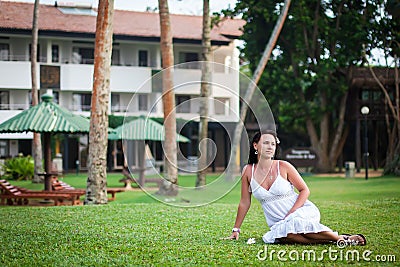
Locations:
(128, 80)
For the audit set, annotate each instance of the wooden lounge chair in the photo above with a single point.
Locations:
(60, 186)
(12, 194)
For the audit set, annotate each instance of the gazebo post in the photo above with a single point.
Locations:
(142, 166)
(47, 161)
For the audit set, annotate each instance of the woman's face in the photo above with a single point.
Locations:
(266, 146)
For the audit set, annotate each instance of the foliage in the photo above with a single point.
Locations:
(19, 168)
(144, 234)
(306, 81)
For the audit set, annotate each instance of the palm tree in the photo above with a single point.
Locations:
(169, 186)
(204, 94)
(36, 142)
(96, 191)
(233, 167)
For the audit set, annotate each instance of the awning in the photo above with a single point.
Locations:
(142, 129)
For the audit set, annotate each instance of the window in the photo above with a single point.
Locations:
(143, 58)
(56, 97)
(83, 55)
(4, 100)
(189, 57)
(143, 105)
(4, 148)
(4, 52)
(182, 103)
(38, 52)
(78, 11)
(221, 106)
(55, 54)
(81, 102)
(115, 58)
(115, 106)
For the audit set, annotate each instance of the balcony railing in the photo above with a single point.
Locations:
(14, 106)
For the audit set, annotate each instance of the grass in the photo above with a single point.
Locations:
(137, 230)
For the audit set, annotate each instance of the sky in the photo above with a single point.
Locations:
(191, 7)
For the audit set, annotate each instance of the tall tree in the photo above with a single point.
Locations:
(307, 81)
(96, 191)
(233, 168)
(169, 185)
(204, 95)
(387, 38)
(36, 142)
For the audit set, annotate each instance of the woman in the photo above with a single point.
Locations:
(291, 217)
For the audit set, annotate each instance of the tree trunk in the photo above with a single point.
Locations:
(393, 154)
(169, 185)
(233, 168)
(204, 95)
(96, 191)
(36, 142)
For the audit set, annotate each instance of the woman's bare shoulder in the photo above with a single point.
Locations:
(285, 164)
(246, 168)
(246, 171)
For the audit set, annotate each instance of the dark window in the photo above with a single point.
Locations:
(4, 148)
(81, 102)
(185, 57)
(56, 97)
(4, 52)
(143, 58)
(189, 56)
(4, 100)
(115, 107)
(83, 55)
(38, 52)
(182, 104)
(55, 54)
(143, 103)
(115, 58)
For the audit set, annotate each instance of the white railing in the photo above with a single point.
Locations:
(14, 106)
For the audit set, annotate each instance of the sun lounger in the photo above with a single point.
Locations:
(11, 194)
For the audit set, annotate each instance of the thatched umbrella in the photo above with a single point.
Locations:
(46, 118)
(142, 129)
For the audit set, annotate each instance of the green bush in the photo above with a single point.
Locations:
(19, 168)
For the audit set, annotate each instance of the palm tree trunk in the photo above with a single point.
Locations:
(169, 185)
(233, 167)
(36, 142)
(204, 94)
(96, 191)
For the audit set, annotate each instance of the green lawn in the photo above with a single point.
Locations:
(136, 230)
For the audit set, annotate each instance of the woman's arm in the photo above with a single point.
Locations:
(293, 176)
(244, 204)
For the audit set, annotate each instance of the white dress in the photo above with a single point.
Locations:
(276, 203)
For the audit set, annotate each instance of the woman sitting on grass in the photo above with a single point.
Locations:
(291, 217)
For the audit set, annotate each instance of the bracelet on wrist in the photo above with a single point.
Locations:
(237, 230)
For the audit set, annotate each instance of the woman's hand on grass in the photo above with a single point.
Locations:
(233, 236)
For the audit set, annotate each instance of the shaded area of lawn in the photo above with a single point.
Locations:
(143, 233)
(322, 188)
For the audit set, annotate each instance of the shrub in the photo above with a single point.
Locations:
(19, 168)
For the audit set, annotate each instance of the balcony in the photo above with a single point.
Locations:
(75, 77)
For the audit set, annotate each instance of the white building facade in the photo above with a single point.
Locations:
(65, 66)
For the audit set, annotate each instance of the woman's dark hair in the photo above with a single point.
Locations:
(253, 157)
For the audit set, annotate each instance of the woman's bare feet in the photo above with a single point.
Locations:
(355, 240)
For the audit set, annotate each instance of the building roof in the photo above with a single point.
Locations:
(17, 16)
